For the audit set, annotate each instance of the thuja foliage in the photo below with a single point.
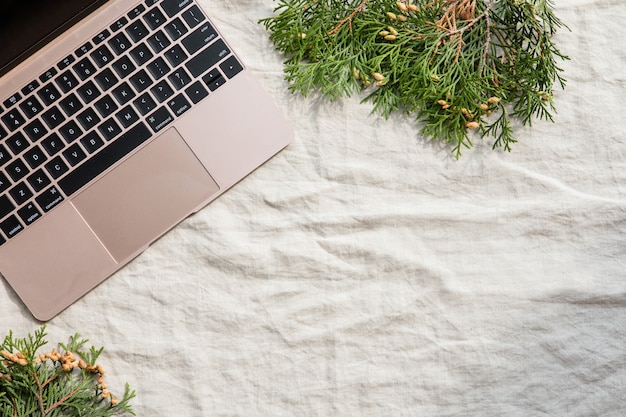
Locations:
(458, 66)
(65, 382)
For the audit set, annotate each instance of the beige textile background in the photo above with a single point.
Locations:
(365, 272)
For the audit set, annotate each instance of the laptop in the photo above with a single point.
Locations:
(118, 119)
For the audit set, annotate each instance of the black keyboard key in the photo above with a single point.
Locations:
(120, 43)
(106, 106)
(35, 157)
(92, 142)
(179, 105)
(102, 160)
(141, 80)
(173, 7)
(162, 91)
(124, 66)
(214, 79)
(101, 37)
(11, 226)
(4, 182)
(38, 180)
(196, 92)
(154, 18)
(158, 42)
(84, 68)
(6, 206)
(193, 16)
(109, 129)
(136, 12)
(49, 199)
(159, 119)
(137, 31)
(31, 107)
(175, 55)
(119, 24)
(127, 116)
(20, 193)
(212, 76)
(88, 119)
(199, 38)
(35, 130)
(175, 29)
(71, 105)
(17, 143)
(179, 78)
(70, 131)
(123, 93)
(151, 2)
(231, 67)
(145, 104)
(52, 144)
(66, 81)
(88, 92)
(83, 49)
(3, 133)
(47, 76)
(12, 101)
(66, 62)
(29, 213)
(30, 87)
(17, 170)
(207, 58)
(53, 117)
(158, 68)
(49, 94)
(141, 54)
(13, 120)
(106, 79)
(56, 167)
(4, 155)
(74, 154)
(102, 56)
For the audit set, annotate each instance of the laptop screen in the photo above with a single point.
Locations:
(27, 25)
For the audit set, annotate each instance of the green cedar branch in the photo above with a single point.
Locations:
(457, 66)
(65, 382)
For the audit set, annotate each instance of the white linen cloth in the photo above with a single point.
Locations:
(365, 272)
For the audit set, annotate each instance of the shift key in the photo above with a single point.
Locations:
(5, 206)
(208, 58)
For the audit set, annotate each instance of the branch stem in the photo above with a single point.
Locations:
(359, 8)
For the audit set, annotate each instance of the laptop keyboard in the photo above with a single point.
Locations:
(130, 81)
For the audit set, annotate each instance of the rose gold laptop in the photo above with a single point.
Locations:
(118, 119)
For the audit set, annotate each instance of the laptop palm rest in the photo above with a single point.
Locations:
(145, 196)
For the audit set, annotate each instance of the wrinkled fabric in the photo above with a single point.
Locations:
(364, 271)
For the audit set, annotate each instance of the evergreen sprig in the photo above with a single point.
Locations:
(64, 382)
(456, 65)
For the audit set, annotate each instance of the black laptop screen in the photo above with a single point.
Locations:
(27, 25)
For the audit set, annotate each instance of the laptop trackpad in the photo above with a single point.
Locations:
(146, 195)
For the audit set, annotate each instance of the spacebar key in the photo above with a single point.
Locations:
(99, 163)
